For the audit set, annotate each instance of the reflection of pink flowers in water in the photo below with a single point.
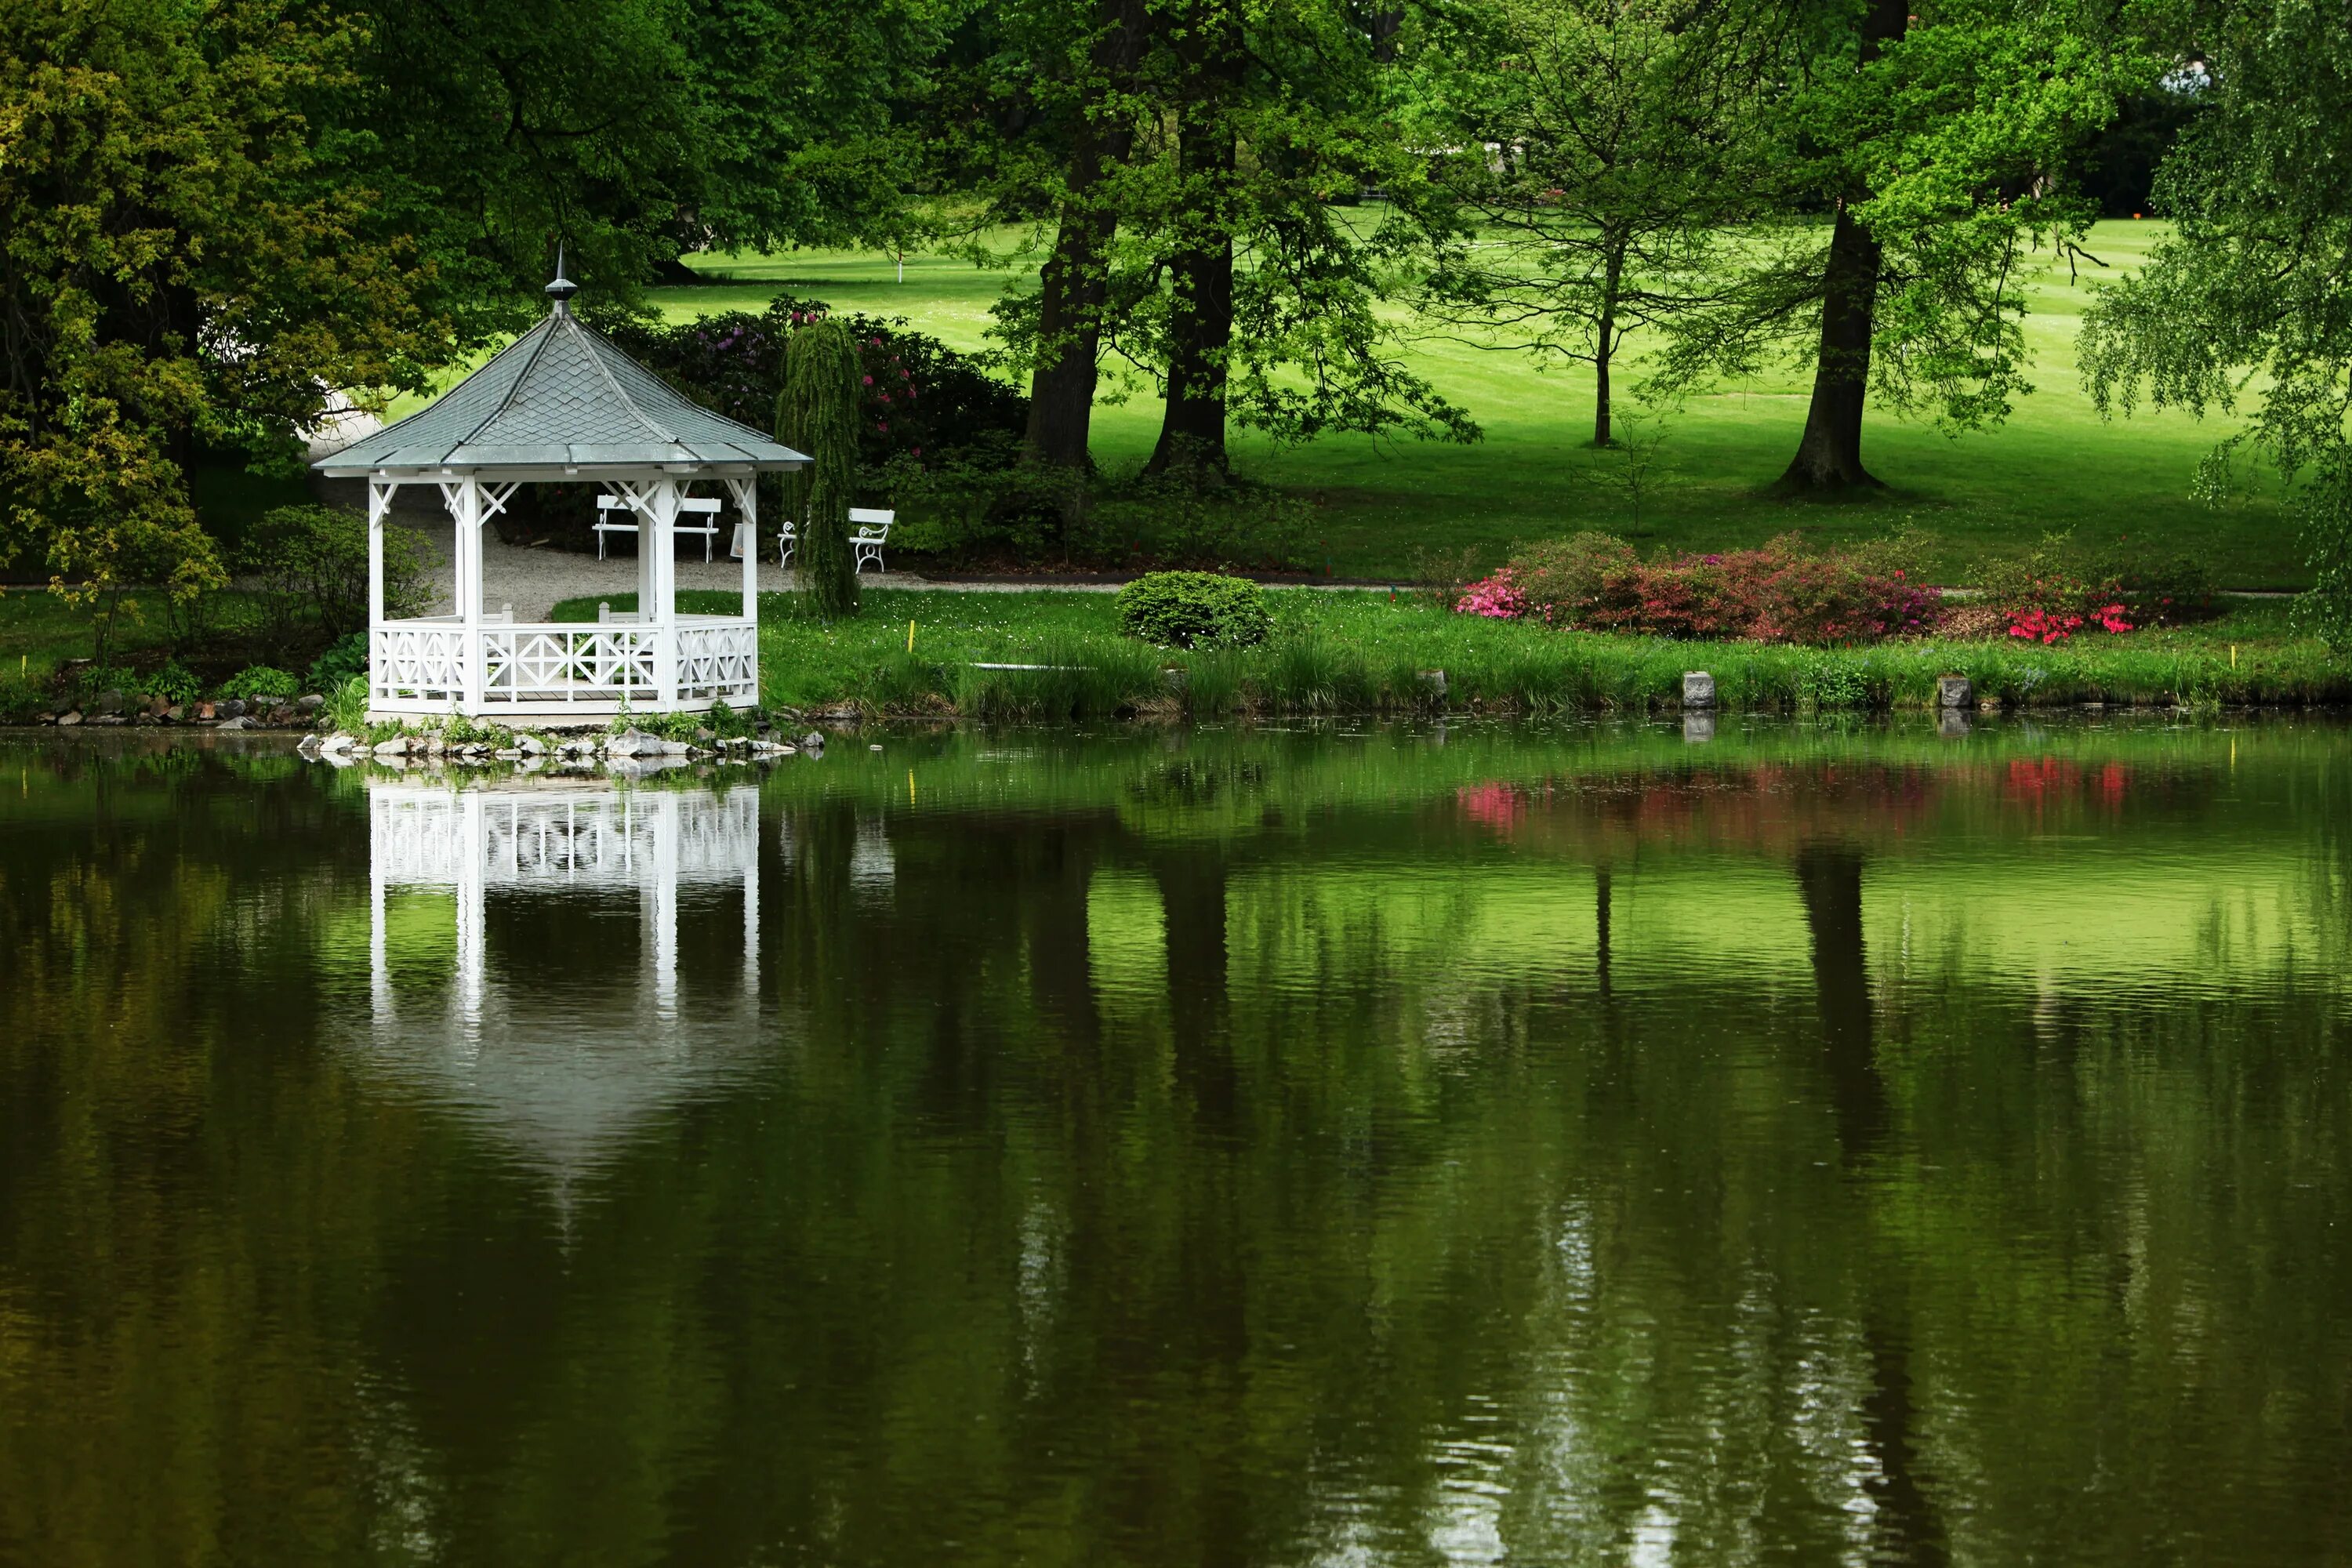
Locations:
(1496, 805)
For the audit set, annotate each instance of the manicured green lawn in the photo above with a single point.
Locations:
(2053, 466)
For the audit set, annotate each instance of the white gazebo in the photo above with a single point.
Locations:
(562, 404)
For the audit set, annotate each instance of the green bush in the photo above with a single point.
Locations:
(92, 679)
(346, 706)
(345, 657)
(1194, 609)
(259, 681)
(175, 682)
(310, 569)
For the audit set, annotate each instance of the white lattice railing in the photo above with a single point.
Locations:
(570, 664)
(719, 663)
(423, 665)
(420, 662)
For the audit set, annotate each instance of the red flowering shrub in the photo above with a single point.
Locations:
(2051, 594)
(1780, 592)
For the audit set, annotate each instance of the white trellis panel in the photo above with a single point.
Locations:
(417, 663)
(719, 663)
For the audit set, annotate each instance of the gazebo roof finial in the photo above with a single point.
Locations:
(563, 288)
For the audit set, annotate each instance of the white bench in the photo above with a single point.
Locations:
(705, 508)
(866, 544)
(873, 531)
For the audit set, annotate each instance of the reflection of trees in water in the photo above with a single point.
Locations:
(989, 1256)
(1829, 875)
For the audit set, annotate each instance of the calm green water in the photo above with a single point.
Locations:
(1565, 1146)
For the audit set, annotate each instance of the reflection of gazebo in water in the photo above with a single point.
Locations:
(565, 1048)
(561, 406)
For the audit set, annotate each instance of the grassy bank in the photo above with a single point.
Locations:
(1364, 652)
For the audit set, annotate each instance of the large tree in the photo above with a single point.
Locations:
(186, 253)
(1923, 152)
(1604, 150)
(1266, 275)
(635, 131)
(2247, 294)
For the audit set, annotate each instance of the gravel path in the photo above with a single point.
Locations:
(533, 580)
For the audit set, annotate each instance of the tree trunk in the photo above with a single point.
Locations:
(1829, 454)
(1192, 428)
(1604, 346)
(1075, 285)
(1200, 326)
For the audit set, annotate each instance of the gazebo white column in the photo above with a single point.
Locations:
(379, 507)
(464, 500)
(747, 501)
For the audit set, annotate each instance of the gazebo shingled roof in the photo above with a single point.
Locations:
(560, 396)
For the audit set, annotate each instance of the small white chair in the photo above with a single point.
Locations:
(873, 531)
(866, 544)
(704, 507)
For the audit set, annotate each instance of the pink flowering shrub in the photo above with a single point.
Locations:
(1494, 597)
(1780, 592)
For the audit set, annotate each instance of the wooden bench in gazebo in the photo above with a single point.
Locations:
(560, 404)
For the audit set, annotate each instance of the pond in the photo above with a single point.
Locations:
(1389, 1146)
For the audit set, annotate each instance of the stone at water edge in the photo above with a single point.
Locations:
(311, 703)
(531, 745)
(395, 747)
(107, 701)
(232, 708)
(68, 718)
(1954, 691)
(1699, 688)
(207, 712)
(812, 742)
(236, 724)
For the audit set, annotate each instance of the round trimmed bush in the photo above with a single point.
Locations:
(1194, 609)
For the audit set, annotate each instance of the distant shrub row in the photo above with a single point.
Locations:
(1780, 592)
(1784, 592)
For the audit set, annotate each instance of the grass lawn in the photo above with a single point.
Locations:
(2053, 466)
(1350, 651)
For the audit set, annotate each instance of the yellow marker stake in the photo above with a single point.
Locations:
(910, 636)
(910, 786)
(2234, 656)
